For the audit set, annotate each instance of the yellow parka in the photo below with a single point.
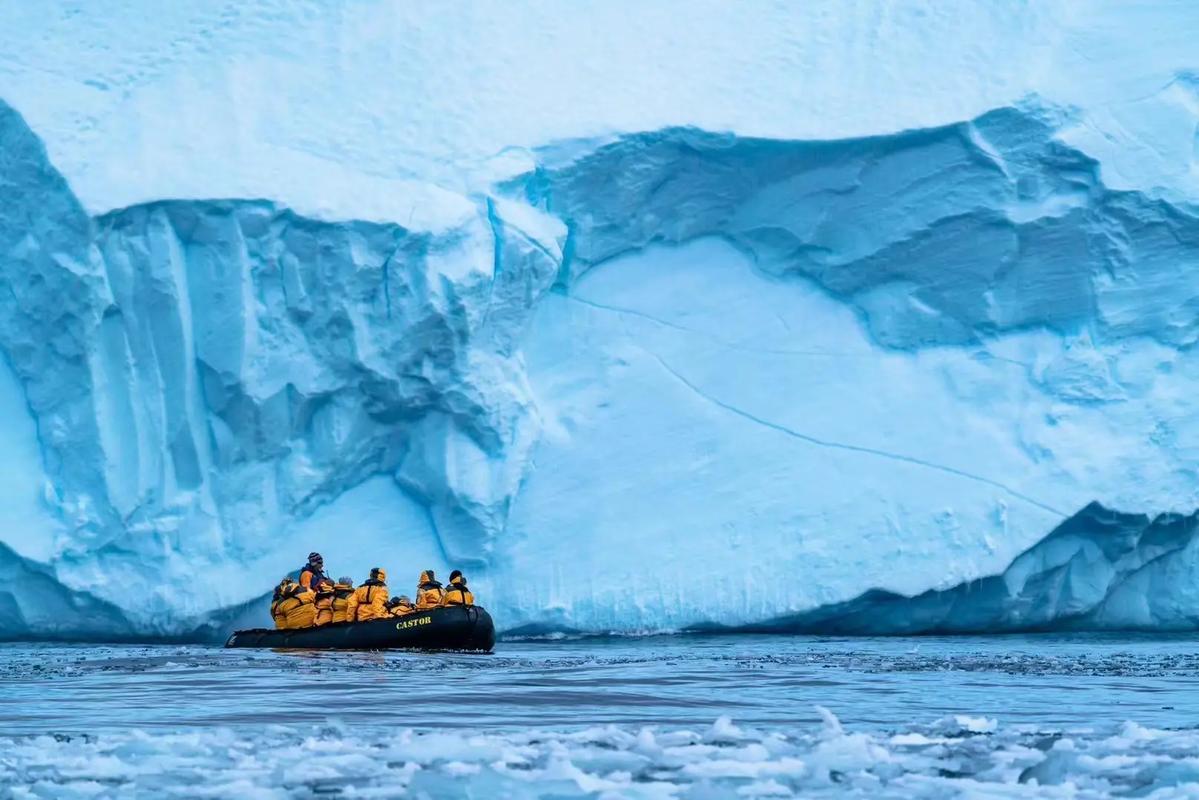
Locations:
(323, 602)
(342, 593)
(403, 607)
(369, 600)
(297, 608)
(457, 594)
(428, 592)
(285, 589)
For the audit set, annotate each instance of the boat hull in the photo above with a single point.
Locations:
(449, 628)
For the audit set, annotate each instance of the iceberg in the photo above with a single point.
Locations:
(637, 368)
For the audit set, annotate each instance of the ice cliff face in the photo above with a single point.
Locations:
(1099, 569)
(637, 380)
(203, 371)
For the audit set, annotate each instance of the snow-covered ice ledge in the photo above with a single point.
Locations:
(672, 379)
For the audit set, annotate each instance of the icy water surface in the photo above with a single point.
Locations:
(736, 716)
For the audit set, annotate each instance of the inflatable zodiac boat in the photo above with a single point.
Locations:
(449, 628)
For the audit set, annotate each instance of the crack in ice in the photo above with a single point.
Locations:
(852, 447)
(704, 334)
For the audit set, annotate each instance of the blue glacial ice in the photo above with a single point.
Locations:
(1099, 569)
(644, 371)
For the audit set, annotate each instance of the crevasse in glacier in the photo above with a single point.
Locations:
(645, 381)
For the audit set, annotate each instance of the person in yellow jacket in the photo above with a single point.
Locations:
(428, 591)
(284, 589)
(323, 602)
(369, 600)
(342, 591)
(401, 606)
(296, 607)
(456, 594)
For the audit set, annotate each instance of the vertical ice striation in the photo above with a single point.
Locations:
(205, 372)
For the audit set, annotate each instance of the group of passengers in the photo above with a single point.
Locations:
(317, 600)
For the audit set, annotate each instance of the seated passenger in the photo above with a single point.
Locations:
(456, 594)
(281, 591)
(401, 606)
(295, 605)
(428, 591)
(369, 601)
(323, 602)
(342, 591)
(313, 572)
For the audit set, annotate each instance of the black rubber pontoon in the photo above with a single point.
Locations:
(449, 628)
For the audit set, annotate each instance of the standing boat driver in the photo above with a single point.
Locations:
(312, 573)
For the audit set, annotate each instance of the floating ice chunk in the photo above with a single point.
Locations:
(831, 726)
(368, 762)
(959, 724)
(723, 730)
